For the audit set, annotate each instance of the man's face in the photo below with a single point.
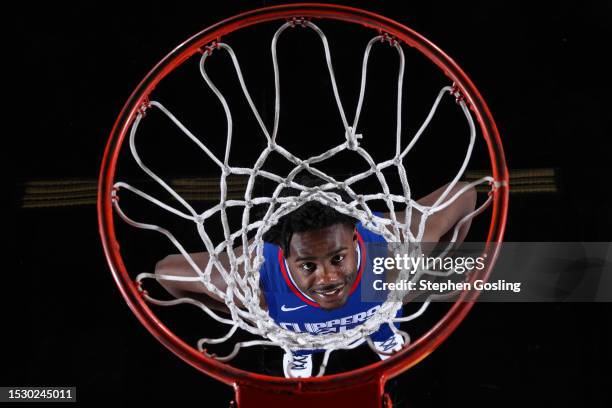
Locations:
(323, 263)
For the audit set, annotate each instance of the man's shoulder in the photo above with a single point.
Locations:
(368, 235)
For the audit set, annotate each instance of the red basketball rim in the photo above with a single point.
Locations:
(401, 361)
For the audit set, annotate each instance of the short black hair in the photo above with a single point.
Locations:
(308, 217)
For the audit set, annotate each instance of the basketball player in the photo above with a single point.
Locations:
(315, 258)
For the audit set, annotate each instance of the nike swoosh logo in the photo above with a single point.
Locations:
(291, 309)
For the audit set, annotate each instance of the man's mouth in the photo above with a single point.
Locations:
(330, 293)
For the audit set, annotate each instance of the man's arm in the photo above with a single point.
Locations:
(440, 225)
(177, 265)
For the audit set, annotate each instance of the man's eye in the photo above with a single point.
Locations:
(309, 267)
(338, 258)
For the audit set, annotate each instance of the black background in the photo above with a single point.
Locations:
(544, 71)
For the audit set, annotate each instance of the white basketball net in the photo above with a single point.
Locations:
(246, 288)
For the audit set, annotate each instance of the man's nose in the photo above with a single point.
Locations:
(330, 274)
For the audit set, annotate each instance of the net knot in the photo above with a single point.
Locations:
(146, 104)
(115, 194)
(388, 38)
(141, 289)
(494, 184)
(456, 92)
(351, 138)
(208, 50)
(297, 21)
